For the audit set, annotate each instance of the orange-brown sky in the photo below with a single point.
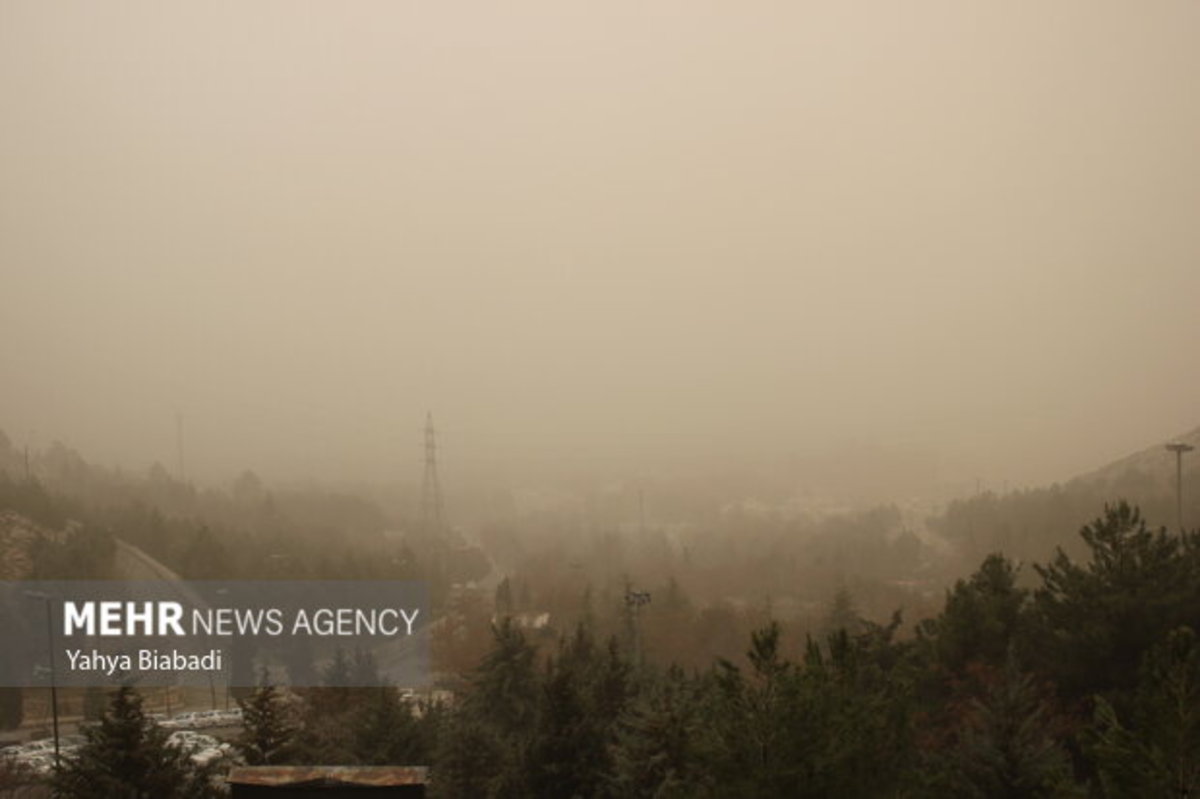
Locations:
(655, 236)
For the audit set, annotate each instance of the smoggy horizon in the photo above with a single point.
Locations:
(909, 246)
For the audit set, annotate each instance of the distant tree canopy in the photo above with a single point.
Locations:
(244, 533)
(1031, 525)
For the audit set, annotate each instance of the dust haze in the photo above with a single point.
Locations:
(884, 250)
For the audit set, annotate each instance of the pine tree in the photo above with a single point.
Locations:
(842, 615)
(661, 741)
(1096, 621)
(583, 691)
(1160, 754)
(268, 726)
(981, 620)
(127, 756)
(835, 725)
(385, 731)
(484, 745)
(473, 761)
(504, 687)
(1004, 743)
(747, 713)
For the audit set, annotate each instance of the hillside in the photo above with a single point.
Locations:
(1029, 525)
(1154, 464)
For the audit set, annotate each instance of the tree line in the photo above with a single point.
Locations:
(1076, 677)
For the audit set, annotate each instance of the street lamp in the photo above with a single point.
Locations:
(53, 683)
(635, 600)
(1178, 447)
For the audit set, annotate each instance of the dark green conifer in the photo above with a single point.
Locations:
(127, 756)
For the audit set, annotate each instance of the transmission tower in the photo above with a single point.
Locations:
(431, 489)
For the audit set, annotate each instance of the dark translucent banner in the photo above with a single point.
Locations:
(212, 633)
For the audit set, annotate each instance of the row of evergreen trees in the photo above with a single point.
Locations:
(1078, 679)
(127, 755)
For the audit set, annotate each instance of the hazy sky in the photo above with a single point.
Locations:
(662, 235)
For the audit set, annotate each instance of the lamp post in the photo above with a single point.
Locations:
(1179, 448)
(635, 600)
(53, 682)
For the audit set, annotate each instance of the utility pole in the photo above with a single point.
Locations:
(431, 489)
(634, 600)
(53, 679)
(1178, 447)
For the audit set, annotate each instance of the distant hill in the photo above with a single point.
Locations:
(1154, 463)
(1030, 525)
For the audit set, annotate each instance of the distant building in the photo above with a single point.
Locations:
(327, 782)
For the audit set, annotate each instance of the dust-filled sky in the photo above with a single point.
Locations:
(655, 236)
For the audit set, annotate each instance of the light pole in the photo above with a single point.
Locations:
(53, 683)
(1179, 448)
(634, 600)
